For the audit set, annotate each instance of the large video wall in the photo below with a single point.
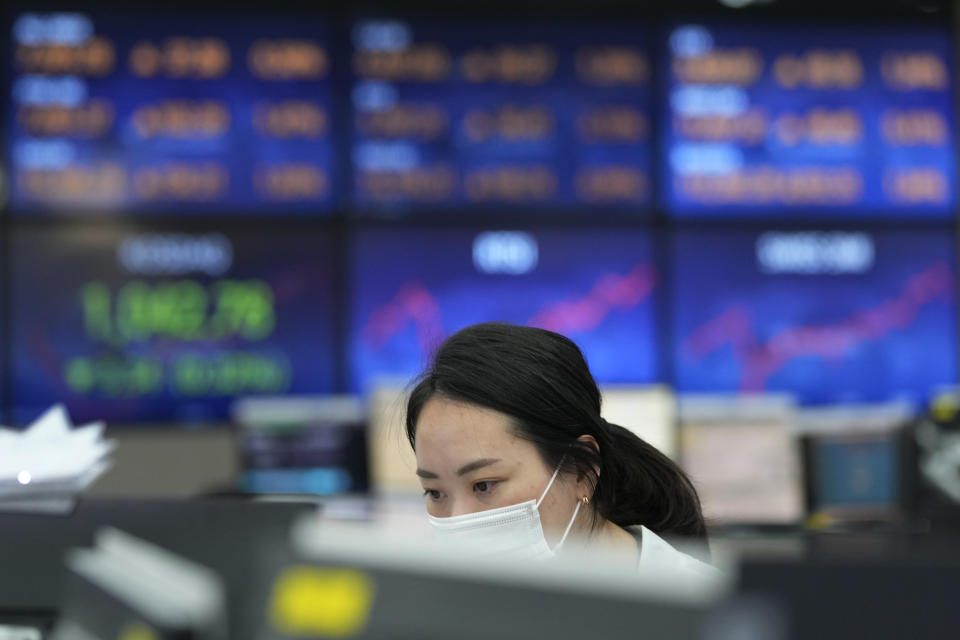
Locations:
(199, 210)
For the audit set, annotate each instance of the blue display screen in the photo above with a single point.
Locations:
(141, 324)
(831, 316)
(855, 473)
(313, 457)
(411, 289)
(767, 121)
(496, 114)
(119, 111)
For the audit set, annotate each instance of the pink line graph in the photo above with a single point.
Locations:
(414, 303)
(611, 292)
(761, 360)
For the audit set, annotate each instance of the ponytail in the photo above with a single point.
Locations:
(638, 484)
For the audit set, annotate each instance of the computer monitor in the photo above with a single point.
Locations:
(859, 461)
(743, 457)
(393, 465)
(856, 476)
(648, 411)
(314, 445)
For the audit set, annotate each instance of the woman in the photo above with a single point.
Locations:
(514, 457)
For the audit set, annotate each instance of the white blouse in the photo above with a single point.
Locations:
(658, 556)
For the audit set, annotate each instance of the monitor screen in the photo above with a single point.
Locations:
(500, 114)
(743, 458)
(648, 411)
(124, 111)
(809, 120)
(303, 445)
(855, 474)
(393, 465)
(413, 288)
(136, 324)
(831, 316)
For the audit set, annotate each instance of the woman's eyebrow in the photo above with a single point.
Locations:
(476, 464)
(465, 469)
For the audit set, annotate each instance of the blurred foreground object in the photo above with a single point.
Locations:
(880, 587)
(227, 535)
(127, 588)
(351, 581)
(45, 466)
(937, 442)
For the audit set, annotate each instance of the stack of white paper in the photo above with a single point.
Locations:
(45, 466)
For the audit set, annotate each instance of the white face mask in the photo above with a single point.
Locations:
(514, 532)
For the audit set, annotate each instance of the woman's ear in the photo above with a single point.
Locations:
(588, 441)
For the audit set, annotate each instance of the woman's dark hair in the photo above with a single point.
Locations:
(541, 380)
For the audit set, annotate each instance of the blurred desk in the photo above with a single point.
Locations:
(226, 535)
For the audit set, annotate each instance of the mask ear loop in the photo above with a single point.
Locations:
(563, 539)
(576, 510)
(550, 484)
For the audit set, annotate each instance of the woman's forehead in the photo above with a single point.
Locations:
(451, 429)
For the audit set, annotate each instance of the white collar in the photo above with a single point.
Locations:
(658, 556)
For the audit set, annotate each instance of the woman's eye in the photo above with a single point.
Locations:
(485, 486)
(433, 494)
